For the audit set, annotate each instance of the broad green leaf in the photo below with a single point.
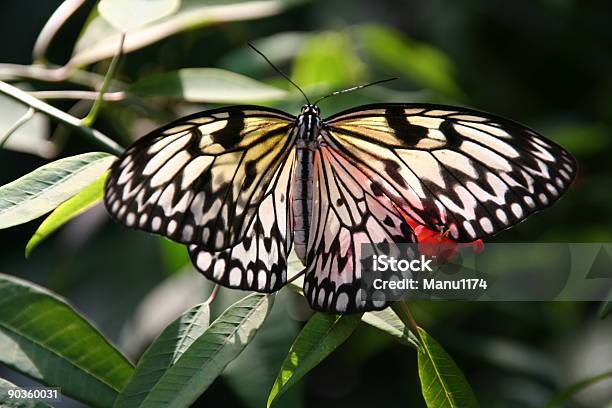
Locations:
(66, 211)
(127, 15)
(7, 402)
(251, 375)
(160, 307)
(44, 338)
(31, 137)
(320, 336)
(164, 353)
(442, 382)
(45, 188)
(424, 64)
(387, 321)
(100, 40)
(328, 60)
(206, 358)
(560, 400)
(206, 85)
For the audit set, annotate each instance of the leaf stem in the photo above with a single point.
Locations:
(92, 135)
(213, 295)
(93, 113)
(402, 311)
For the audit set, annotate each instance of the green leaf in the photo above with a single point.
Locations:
(206, 85)
(45, 188)
(69, 209)
(424, 64)
(206, 358)
(163, 353)
(442, 382)
(328, 60)
(251, 375)
(387, 321)
(320, 336)
(564, 396)
(127, 15)
(43, 337)
(31, 137)
(100, 40)
(7, 402)
(160, 307)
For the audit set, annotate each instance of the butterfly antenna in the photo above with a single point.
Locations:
(279, 71)
(354, 88)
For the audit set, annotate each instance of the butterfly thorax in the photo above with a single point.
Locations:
(308, 126)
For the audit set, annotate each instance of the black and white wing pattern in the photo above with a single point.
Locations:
(468, 172)
(200, 180)
(219, 182)
(259, 261)
(348, 211)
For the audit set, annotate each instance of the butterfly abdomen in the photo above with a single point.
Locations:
(308, 128)
(302, 201)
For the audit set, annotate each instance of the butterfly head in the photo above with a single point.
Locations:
(309, 109)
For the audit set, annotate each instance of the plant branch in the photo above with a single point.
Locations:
(90, 134)
(20, 122)
(82, 95)
(403, 312)
(10, 72)
(55, 22)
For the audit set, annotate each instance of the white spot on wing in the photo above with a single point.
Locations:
(235, 277)
(342, 302)
(164, 155)
(195, 169)
(486, 225)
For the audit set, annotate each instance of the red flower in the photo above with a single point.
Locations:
(437, 243)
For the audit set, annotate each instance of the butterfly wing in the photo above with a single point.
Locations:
(202, 179)
(348, 211)
(472, 173)
(259, 261)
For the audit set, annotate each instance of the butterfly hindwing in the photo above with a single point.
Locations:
(201, 179)
(456, 169)
(348, 211)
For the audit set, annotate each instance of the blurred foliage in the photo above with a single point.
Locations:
(545, 64)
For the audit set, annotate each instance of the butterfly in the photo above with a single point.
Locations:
(242, 186)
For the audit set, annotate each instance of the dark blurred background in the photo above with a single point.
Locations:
(544, 63)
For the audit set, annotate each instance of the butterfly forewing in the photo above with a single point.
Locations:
(348, 211)
(201, 179)
(454, 169)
